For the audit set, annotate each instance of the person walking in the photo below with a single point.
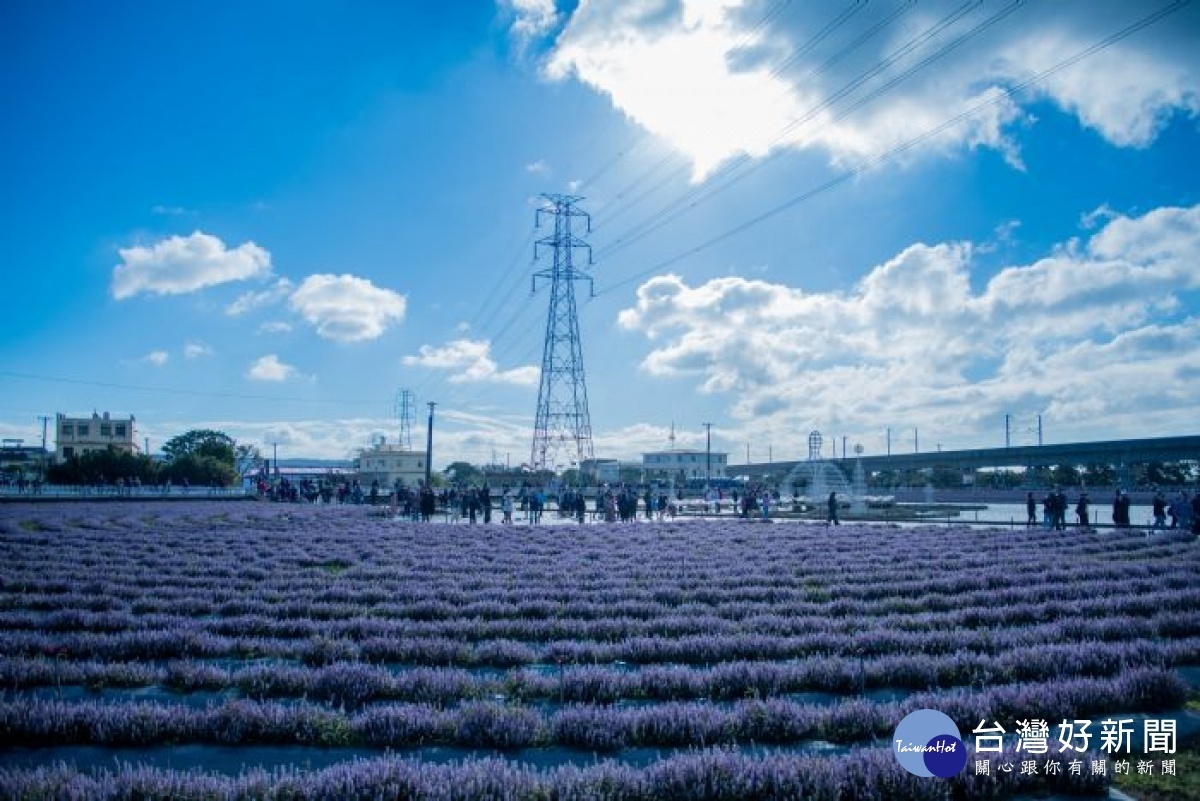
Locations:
(831, 516)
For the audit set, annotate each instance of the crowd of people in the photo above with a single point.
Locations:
(1183, 511)
(625, 502)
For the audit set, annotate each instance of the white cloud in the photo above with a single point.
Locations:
(196, 350)
(539, 167)
(269, 368)
(275, 327)
(721, 78)
(531, 18)
(1092, 329)
(249, 301)
(177, 265)
(346, 308)
(156, 357)
(470, 361)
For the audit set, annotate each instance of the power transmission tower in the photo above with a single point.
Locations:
(404, 411)
(562, 427)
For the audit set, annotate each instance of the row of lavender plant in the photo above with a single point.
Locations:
(91, 611)
(158, 644)
(486, 724)
(357, 683)
(709, 775)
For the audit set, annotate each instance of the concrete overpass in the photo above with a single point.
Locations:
(1118, 453)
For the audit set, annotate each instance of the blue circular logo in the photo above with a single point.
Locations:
(927, 743)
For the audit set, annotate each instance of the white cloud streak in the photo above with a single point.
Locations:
(470, 361)
(251, 301)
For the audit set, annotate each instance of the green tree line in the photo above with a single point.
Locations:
(200, 457)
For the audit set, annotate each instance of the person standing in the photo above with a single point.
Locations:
(1081, 510)
(1159, 510)
(1120, 510)
(831, 516)
(1030, 511)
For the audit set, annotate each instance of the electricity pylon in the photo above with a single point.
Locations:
(404, 413)
(562, 428)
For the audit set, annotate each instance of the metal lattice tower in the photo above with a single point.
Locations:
(404, 412)
(562, 429)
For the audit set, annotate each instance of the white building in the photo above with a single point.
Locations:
(386, 463)
(79, 435)
(691, 465)
(603, 471)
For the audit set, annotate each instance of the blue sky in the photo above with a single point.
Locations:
(271, 217)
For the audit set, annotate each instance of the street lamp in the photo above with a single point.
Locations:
(429, 447)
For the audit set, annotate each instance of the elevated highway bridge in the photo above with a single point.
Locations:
(1121, 454)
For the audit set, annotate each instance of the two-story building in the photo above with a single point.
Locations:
(386, 463)
(79, 435)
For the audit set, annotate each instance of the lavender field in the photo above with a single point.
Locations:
(210, 649)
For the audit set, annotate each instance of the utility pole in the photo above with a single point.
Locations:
(1007, 430)
(45, 418)
(1039, 430)
(707, 454)
(889, 442)
(916, 442)
(562, 421)
(429, 447)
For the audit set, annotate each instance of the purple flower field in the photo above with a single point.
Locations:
(689, 659)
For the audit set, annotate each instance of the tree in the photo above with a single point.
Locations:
(103, 467)
(201, 456)
(463, 473)
(202, 442)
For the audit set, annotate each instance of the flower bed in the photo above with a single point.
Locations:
(134, 625)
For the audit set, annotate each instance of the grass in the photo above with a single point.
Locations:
(1156, 787)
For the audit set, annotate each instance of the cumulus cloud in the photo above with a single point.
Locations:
(177, 265)
(156, 357)
(470, 361)
(250, 301)
(270, 368)
(1091, 329)
(346, 308)
(723, 79)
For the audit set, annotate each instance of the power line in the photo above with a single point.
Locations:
(700, 194)
(904, 147)
(176, 391)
